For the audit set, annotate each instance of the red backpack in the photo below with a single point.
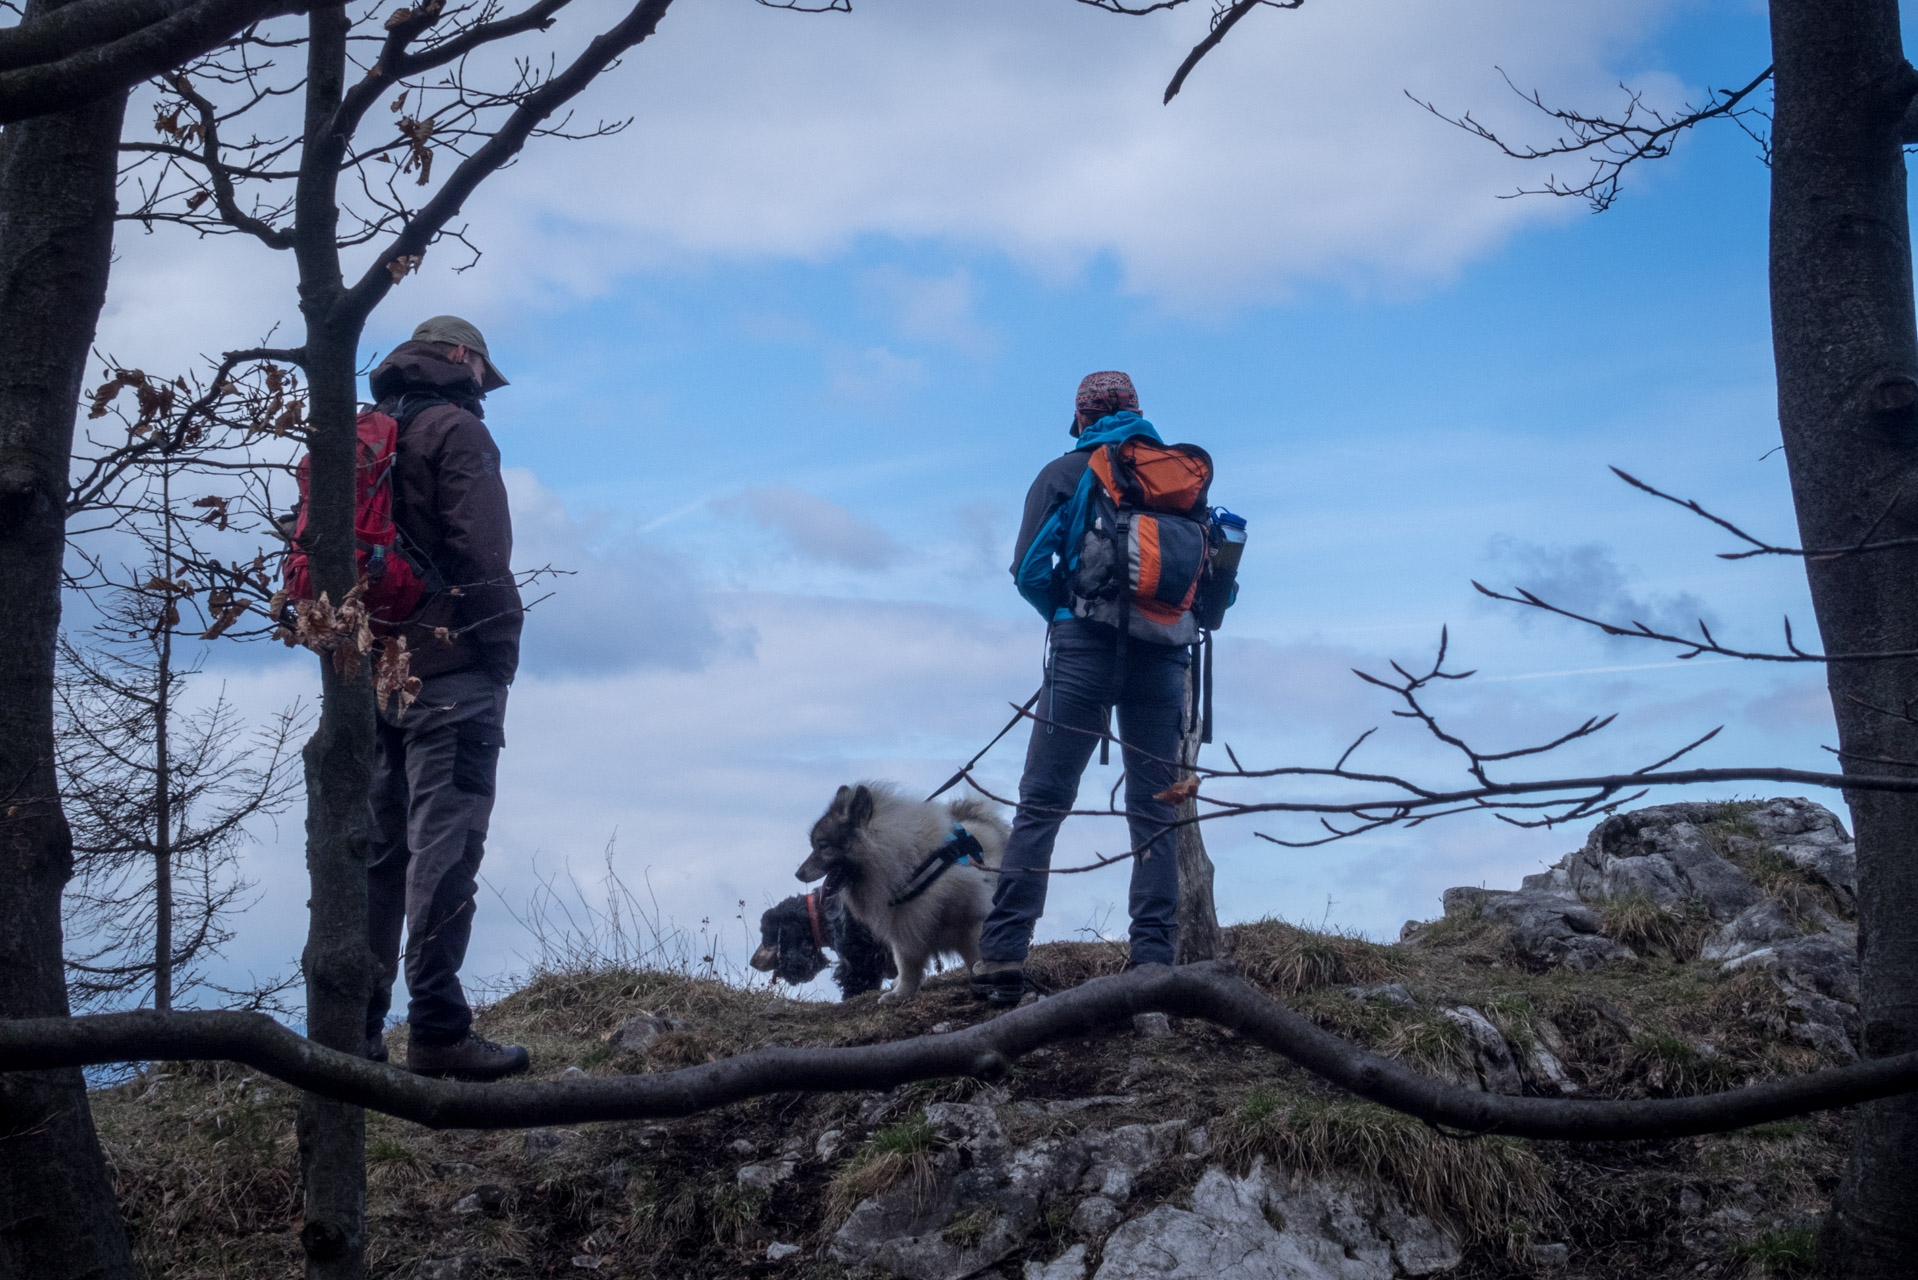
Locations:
(394, 584)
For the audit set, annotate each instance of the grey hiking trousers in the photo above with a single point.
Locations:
(432, 795)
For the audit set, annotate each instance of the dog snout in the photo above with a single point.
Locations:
(765, 958)
(810, 870)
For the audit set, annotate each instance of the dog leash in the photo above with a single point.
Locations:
(963, 846)
(812, 914)
(966, 768)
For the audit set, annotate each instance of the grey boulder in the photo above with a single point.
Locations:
(1266, 1227)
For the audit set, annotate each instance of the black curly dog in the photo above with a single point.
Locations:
(791, 934)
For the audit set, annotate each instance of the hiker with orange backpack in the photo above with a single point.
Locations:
(435, 550)
(1115, 552)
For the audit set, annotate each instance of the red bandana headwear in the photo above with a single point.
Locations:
(1103, 393)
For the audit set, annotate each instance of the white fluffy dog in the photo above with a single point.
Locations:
(899, 869)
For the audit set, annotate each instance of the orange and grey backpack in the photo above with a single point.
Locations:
(1137, 547)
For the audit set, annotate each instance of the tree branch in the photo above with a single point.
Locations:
(90, 73)
(1208, 991)
(418, 234)
(1223, 21)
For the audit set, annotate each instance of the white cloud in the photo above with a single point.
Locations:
(874, 378)
(615, 605)
(1035, 129)
(936, 309)
(1587, 579)
(816, 528)
(1021, 127)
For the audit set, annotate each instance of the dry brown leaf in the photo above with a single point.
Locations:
(392, 678)
(1179, 792)
(228, 616)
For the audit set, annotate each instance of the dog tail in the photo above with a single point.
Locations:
(977, 810)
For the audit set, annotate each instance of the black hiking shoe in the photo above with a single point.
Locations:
(474, 1058)
(1000, 983)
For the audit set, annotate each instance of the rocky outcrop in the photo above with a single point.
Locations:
(1548, 929)
(1267, 1226)
(1772, 886)
(988, 1197)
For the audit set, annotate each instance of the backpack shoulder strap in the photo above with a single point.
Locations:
(411, 404)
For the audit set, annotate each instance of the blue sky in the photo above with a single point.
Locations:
(786, 355)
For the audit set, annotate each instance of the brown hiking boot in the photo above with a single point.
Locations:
(474, 1058)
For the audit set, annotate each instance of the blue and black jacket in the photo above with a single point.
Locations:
(1053, 505)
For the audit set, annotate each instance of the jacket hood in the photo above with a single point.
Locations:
(419, 366)
(1113, 428)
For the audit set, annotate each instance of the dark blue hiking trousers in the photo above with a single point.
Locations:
(1082, 684)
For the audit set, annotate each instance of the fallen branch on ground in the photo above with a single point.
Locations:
(1208, 991)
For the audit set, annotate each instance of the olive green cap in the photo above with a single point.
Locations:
(461, 333)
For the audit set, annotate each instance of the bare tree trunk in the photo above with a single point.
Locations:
(57, 1213)
(337, 960)
(163, 781)
(339, 758)
(1846, 347)
(1198, 916)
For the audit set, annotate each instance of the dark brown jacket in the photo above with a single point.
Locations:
(450, 505)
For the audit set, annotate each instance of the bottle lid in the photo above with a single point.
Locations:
(1226, 517)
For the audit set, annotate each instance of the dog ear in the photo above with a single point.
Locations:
(860, 810)
(842, 800)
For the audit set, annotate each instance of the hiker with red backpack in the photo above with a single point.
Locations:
(435, 550)
(1117, 553)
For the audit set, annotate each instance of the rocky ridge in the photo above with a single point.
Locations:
(1768, 886)
(1680, 949)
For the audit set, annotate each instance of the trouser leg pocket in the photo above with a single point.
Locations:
(476, 757)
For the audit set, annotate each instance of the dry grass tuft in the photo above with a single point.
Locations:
(900, 1153)
(1287, 960)
(1647, 926)
(1068, 964)
(1430, 1043)
(1674, 1066)
(1481, 1186)
(204, 1161)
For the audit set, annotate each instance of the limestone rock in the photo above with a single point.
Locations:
(1095, 1216)
(1692, 858)
(1119, 1157)
(1263, 1227)
(1812, 838)
(544, 1144)
(1494, 1068)
(777, 1252)
(764, 1177)
(637, 1034)
(1663, 853)
(1070, 1265)
(1549, 930)
(1818, 974)
(1152, 1025)
(1759, 925)
(985, 1201)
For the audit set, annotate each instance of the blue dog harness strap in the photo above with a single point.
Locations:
(963, 846)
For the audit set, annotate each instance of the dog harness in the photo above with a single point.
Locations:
(963, 846)
(812, 914)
